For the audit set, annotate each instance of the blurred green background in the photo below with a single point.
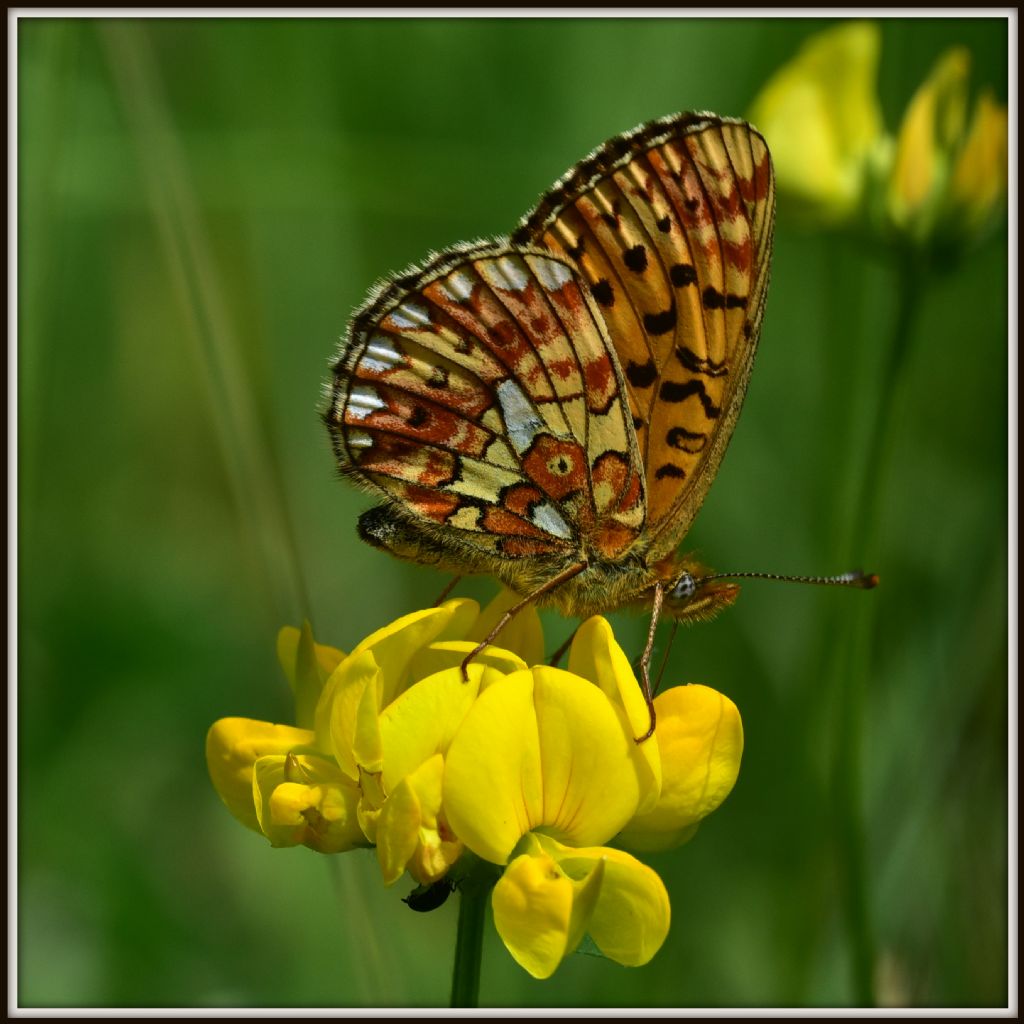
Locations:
(201, 204)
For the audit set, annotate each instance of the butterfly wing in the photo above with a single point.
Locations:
(479, 394)
(671, 226)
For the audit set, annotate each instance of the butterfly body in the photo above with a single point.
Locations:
(551, 408)
(602, 587)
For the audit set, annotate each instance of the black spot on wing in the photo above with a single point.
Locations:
(602, 291)
(696, 364)
(675, 391)
(685, 440)
(713, 298)
(636, 259)
(642, 375)
(660, 323)
(670, 470)
(682, 274)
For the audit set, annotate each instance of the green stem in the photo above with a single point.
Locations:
(854, 650)
(909, 288)
(474, 891)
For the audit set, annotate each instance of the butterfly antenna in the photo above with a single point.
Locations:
(858, 579)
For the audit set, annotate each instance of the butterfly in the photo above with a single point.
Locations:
(551, 408)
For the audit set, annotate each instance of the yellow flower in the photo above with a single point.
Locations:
(932, 127)
(307, 666)
(700, 737)
(551, 895)
(304, 799)
(949, 177)
(821, 118)
(541, 748)
(272, 781)
(368, 771)
(533, 769)
(977, 187)
(544, 769)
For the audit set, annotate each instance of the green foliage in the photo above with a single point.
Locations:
(201, 204)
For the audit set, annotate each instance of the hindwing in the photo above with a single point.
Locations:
(480, 394)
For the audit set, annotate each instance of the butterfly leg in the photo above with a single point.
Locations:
(447, 590)
(556, 581)
(560, 653)
(645, 661)
(664, 660)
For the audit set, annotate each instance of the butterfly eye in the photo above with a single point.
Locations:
(685, 587)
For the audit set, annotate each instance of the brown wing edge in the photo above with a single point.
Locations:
(607, 158)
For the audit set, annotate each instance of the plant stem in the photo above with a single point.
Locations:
(854, 651)
(874, 466)
(473, 893)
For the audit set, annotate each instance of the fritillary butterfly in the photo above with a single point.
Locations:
(551, 408)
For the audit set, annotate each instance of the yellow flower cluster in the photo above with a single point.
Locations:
(940, 178)
(533, 769)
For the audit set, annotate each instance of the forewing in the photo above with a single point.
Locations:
(671, 226)
(480, 393)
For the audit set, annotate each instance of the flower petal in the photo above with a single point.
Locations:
(978, 185)
(306, 665)
(492, 779)
(233, 745)
(305, 799)
(523, 636)
(366, 746)
(385, 656)
(700, 736)
(410, 833)
(591, 768)
(821, 117)
(423, 720)
(540, 913)
(596, 655)
(542, 749)
(932, 127)
(447, 654)
(630, 918)
(396, 644)
(337, 711)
